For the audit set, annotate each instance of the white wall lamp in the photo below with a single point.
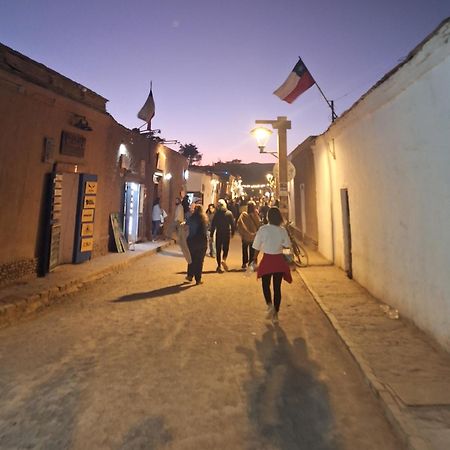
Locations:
(168, 176)
(123, 149)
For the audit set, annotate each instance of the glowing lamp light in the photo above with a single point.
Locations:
(168, 176)
(122, 149)
(186, 174)
(262, 135)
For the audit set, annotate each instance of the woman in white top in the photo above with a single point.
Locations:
(271, 239)
(156, 219)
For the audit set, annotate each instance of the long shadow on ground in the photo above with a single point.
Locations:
(287, 403)
(161, 292)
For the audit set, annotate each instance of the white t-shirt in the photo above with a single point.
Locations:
(156, 213)
(271, 239)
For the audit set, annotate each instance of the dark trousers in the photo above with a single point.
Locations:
(277, 278)
(156, 225)
(248, 252)
(195, 269)
(222, 245)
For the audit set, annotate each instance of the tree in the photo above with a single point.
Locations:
(190, 151)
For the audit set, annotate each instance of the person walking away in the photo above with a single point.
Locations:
(156, 218)
(197, 243)
(224, 227)
(186, 206)
(271, 239)
(247, 225)
(263, 212)
(234, 208)
(211, 210)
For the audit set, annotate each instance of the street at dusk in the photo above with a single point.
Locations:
(144, 360)
(311, 139)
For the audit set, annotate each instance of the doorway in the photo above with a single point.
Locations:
(70, 182)
(347, 233)
(303, 209)
(133, 211)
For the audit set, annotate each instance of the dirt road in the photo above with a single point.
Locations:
(144, 360)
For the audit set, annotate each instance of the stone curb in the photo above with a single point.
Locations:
(26, 305)
(403, 428)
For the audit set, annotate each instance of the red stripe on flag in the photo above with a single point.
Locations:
(303, 84)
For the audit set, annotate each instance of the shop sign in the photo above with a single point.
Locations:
(72, 144)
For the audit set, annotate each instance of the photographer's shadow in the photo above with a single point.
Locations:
(288, 404)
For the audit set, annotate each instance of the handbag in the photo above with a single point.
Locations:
(288, 256)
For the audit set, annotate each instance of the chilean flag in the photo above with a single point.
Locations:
(298, 81)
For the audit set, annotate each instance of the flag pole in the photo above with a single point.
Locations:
(329, 103)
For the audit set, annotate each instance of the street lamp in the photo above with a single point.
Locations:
(262, 135)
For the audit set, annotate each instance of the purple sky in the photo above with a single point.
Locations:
(215, 63)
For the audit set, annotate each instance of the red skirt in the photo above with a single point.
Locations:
(274, 264)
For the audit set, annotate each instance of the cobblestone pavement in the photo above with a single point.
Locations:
(143, 360)
(409, 372)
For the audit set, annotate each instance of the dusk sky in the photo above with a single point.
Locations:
(215, 64)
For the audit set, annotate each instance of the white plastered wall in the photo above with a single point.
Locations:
(393, 155)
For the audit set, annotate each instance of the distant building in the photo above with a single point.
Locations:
(203, 186)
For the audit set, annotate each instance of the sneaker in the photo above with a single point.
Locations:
(225, 266)
(275, 318)
(270, 311)
(244, 266)
(219, 270)
(189, 278)
(198, 282)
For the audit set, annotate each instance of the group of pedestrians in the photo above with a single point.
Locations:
(213, 230)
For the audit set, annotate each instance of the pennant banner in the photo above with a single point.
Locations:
(298, 81)
(147, 112)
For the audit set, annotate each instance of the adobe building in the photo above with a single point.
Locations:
(67, 165)
(303, 207)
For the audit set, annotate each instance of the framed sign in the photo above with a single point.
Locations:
(87, 244)
(91, 187)
(72, 144)
(87, 215)
(87, 229)
(89, 201)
